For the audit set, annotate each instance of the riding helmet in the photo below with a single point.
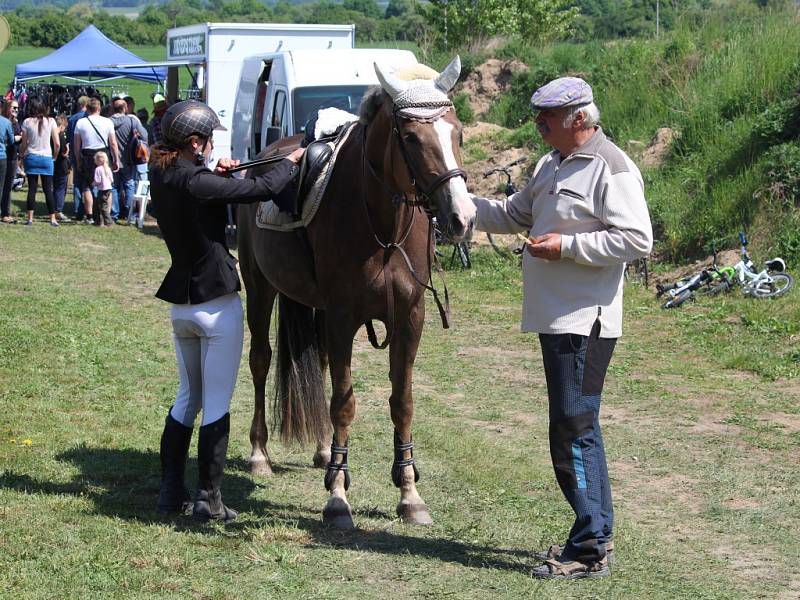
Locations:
(187, 118)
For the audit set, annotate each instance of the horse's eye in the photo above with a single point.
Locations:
(410, 137)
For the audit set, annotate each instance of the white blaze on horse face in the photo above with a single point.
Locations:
(463, 210)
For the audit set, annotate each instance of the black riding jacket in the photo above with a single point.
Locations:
(190, 204)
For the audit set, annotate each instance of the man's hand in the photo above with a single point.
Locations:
(547, 246)
(224, 164)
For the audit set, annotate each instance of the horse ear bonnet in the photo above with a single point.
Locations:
(188, 118)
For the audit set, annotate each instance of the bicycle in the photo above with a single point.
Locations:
(509, 189)
(460, 249)
(710, 281)
(637, 271)
(771, 282)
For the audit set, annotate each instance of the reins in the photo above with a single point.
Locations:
(422, 199)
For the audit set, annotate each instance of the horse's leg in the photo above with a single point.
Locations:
(337, 512)
(260, 299)
(323, 454)
(403, 351)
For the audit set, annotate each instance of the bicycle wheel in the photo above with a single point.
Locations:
(780, 284)
(715, 289)
(677, 300)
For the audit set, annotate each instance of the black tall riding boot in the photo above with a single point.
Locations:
(212, 448)
(173, 496)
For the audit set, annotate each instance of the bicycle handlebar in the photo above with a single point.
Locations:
(505, 168)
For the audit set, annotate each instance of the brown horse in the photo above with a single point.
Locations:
(365, 256)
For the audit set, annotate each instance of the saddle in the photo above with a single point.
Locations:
(296, 205)
(317, 154)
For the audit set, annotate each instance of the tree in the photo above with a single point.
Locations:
(368, 8)
(471, 22)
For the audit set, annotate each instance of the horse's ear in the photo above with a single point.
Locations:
(390, 84)
(448, 78)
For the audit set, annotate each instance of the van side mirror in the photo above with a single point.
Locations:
(273, 135)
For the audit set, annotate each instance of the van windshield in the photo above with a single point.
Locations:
(308, 100)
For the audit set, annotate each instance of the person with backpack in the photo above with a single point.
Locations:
(130, 133)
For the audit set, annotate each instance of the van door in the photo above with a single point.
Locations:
(262, 87)
(280, 110)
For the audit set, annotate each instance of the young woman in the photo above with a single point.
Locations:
(202, 285)
(38, 148)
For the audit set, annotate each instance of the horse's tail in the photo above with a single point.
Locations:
(300, 408)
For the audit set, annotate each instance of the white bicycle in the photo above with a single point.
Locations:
(772, 282)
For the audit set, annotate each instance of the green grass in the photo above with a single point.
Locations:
(702, 449)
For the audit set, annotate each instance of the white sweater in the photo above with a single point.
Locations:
(595, 199)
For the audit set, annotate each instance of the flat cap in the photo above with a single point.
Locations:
(564, 91)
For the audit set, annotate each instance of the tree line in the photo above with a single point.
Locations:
(433, 24)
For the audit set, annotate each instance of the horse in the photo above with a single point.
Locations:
(365, 256)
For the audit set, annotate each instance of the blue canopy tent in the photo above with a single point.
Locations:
(79, 58)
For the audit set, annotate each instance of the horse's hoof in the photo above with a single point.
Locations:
(337, 514)
(414, 514)
(321, 459)
(260, 468)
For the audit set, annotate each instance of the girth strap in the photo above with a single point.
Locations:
(334, 468)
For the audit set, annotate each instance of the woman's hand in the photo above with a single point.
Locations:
(296, 155)
(223, 165)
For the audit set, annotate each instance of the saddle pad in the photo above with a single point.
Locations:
(268, 216)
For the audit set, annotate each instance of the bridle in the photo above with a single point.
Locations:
(422, 198)
(422, 194)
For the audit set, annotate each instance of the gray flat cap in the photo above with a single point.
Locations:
(564, 91)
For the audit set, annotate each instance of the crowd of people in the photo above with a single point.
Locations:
(94, 148)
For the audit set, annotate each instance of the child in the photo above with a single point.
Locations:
(103, 181)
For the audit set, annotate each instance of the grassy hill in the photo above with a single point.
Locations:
(728, 89)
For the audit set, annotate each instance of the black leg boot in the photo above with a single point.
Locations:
(174, 497)
(212, 448)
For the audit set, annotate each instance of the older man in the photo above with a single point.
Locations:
(585, 214)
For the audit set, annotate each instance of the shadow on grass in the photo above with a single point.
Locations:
(123, 483)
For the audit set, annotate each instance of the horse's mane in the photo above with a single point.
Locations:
(371, 103)
(375, 97)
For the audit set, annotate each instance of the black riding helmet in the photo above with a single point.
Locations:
(185, 119)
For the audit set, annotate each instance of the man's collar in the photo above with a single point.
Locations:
(589, 148)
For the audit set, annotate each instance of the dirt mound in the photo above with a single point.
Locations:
(656, 152)
(489, 80)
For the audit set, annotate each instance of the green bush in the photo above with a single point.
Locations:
(463, 110)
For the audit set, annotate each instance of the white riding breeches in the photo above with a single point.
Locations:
(208, 347)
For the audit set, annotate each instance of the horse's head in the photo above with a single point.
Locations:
(423, 156)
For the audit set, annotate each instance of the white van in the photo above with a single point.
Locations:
(280, 91)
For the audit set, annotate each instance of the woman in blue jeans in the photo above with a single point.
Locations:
(38, 147)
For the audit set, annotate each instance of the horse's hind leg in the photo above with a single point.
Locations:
(403, 351)
(322, 456)
(260, 298)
